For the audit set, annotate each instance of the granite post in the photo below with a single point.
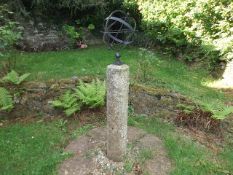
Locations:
(117, 111)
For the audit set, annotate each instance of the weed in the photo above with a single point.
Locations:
(128, 166)
(81, 131)
(62, 124)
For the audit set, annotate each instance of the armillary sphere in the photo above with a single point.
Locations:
(119, 30)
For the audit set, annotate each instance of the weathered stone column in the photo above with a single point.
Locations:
(117, 111)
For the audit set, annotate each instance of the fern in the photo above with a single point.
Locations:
(218, 110)
(14, 78)
(91, 94)
(88, 94)
(223, 113)
(6, 102)
(68, 102)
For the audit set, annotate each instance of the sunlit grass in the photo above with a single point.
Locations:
(67, 64)
(219, 84)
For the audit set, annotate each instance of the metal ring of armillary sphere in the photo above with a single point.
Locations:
(119, 30)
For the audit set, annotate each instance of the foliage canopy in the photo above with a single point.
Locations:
(206, 25)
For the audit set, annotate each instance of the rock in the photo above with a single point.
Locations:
(154, 101)
(35, 96)
(42, 38)
(90, 39)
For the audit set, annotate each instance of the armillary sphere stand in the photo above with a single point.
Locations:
(119, 30)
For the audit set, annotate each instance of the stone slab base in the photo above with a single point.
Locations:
(145, 155)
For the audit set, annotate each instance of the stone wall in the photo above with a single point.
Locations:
(155, 101)
(44, 37)
(34, 99)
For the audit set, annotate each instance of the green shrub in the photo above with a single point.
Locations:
(91, 27)
(68, 102)
(71, 32)
(6, 102)
(204, 27)
(91, 94)
(76, 33)
(14, 78)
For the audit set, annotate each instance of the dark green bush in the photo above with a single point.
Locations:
(58, 11)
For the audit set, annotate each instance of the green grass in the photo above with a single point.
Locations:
(188, 157)
(37, 148)
(165, 72)
(34, 148)
(66, 64)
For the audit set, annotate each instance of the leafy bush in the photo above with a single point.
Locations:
(91, 94)
(14, 78)
(68, 102)
(6, 102)
(91, 27)
(204, 27)
(71, 32)
(76, 33)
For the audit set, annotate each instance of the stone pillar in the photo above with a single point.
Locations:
(117, 111)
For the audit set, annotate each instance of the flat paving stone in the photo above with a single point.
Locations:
(89, 155)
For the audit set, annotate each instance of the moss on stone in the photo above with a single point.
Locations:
(149, 90)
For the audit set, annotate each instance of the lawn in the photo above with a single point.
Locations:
(34, 148)
(66, 64)
(163, 72)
